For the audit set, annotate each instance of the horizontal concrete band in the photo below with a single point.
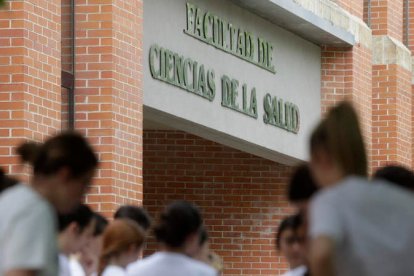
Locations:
(322, 22)
(387, 50)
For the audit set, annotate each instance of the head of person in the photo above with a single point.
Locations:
(203, 251)
(63, 167)
(301, 187)
(337, 147)
(179, 228)
(396, 174)
(288, 240)
(75, 229)
(6, 181)
(121, 243)
(89, 255)
(135, 213)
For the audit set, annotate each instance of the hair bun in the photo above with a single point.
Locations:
(28, 152)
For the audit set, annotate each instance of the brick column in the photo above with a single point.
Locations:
(392, 100)
(410, 45)
(387, 18)
(109, 96)
(346, 75)
(30, 69)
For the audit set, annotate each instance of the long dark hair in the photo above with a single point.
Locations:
(339, 134)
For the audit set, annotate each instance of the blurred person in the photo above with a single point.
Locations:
(395, 174)
(135, 213)
(86, 261)
(205, 255)
(6, 181)
(75, 231)
(301, 187)
(178, 232)
(121, 245)
(357, 228)
(289, 243)
(63, 167)
(204, 248)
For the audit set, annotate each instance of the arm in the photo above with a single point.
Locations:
(21, 272)
(322, 256)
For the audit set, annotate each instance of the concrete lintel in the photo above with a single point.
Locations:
(387, 50)
(325, 24)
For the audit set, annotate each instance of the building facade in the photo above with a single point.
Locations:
(208, 101)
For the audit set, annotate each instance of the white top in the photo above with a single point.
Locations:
(112, 270)
(371, 224)
(171, 264)
(28, 238)
(64, 268)
(76, 268)
(298, 271)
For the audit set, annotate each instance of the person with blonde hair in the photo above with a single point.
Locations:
(121, 245)
(356, 227)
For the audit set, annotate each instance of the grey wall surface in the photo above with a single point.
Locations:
(297, 80)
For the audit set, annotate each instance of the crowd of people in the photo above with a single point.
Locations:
(46, 230)
(347, 223)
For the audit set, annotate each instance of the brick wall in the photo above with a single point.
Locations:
(30, 69)
(387, 18)
(109, 96)
(392, 130)
(392, 99)
(241, 196)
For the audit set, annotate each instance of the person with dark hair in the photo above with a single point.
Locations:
(202, 254)
(86, 261)
(205, 255)
(398, 175)
(289, 243)
(100, 224)
(122, 244)
(75, 231)
(63, 167)
(356, 227)
(135, 213)
(301, 187)
(178, 231)
(5, 181)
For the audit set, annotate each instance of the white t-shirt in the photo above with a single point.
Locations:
(28, 238)
(112, 270)
(76, 268)
(64, 267)
(372, 225)
(171, 264)
(298, 271)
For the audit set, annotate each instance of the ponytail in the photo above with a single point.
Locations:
(339, 134)
(28, 152)
(67, 149)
